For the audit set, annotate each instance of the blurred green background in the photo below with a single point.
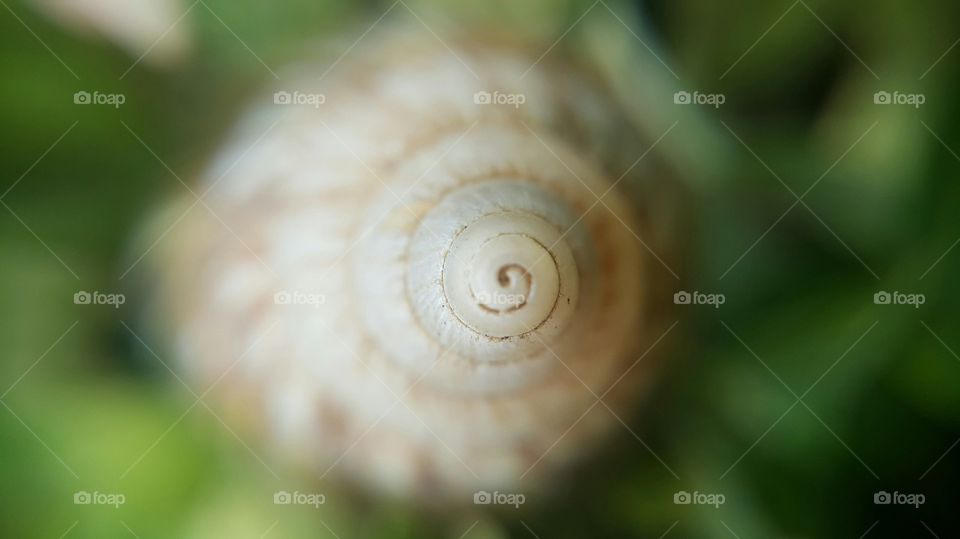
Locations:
(87, 407)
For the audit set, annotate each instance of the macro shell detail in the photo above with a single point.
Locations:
(417, 290)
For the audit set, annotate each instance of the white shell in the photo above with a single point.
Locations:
(411, 289)
(154, 31)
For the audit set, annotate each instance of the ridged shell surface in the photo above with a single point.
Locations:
(423, 278)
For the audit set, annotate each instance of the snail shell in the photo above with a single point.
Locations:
(408, 288)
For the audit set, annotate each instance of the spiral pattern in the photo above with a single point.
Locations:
(479, 276)
(501, 279)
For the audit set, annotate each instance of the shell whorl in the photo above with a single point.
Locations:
(480, 279)
(489, 280)
(506, 274)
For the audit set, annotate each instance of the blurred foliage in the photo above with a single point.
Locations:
(799, 80)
